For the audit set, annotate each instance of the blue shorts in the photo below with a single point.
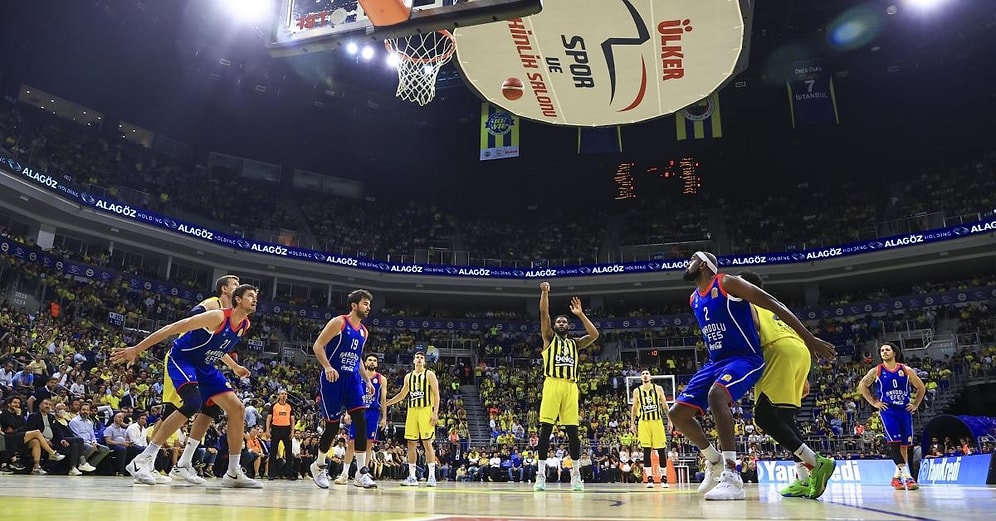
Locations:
(346, 392)
(897, 423)
(180, 372)
(737, 374)
(373, 418)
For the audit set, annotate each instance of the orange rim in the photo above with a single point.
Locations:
(451, 48)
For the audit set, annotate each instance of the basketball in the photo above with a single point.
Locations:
(512, 89)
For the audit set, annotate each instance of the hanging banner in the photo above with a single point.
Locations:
(812, 100)
(499, 133)
(701, 120)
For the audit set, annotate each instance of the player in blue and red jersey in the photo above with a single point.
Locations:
(722, 305)
(205, 338)
(896, 405)
(343, 384)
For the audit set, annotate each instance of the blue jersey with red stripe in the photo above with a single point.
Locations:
(894, 385)
(343, 352)
(204, 345)
(372, 401)
(727, 322)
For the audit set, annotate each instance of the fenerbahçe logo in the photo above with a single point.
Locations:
(499, 123)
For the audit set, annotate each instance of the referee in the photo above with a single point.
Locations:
(278, 428)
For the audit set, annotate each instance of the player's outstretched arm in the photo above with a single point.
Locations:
(210, 320)
(402, 394)
(740, 288)
(591, 332)
(544, 313)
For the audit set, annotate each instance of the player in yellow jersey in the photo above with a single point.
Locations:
(649, 405)
(560, 388)
(422, 390)
(779, 396)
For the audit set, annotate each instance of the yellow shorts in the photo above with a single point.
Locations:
(786, 367)
(169, 390)
(560, 400)
(418, 424)
(652, 434)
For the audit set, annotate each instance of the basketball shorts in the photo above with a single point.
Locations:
(418, 424)
(560, 400)
(373, 418)
(786, 367)
(651, 433)
(346, 392)
(736, 374)
(181, 371)
(897, 424)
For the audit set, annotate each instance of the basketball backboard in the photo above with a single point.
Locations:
(305, 26)
(607, 62)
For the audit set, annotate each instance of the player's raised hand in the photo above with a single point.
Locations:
(821, 348)
(544, 286)
(576, 306)
(125, 354)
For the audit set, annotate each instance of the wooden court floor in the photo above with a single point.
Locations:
(62, 497)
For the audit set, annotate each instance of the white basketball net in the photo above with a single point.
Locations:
(419, 58)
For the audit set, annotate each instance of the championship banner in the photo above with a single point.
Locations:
(812, 100)
(499, 133)
(700, 120)
(600, 140)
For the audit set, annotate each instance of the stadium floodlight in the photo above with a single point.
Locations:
(248, 11)
(352, 48)
(367, 52)
(924, 4)
(393, 61)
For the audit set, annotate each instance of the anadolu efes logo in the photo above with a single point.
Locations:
(605, 62)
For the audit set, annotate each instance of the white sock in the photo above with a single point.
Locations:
(322, 458)
(905, 472)
(806, 454)
(802, 471)
(411, 470)
(432, 471)
(729, 455)
(712, 454)
(188, 452)
(234, 462)
(151, 450)
(361, 461)
(898, 473)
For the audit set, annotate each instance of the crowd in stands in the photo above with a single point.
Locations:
(101, 160)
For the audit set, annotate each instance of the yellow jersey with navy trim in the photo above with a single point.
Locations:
(771, 328)
(560, 359)
(418, 389)
(650, 406)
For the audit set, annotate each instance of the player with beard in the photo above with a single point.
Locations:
(338, 348)
(722, 306)
(895, 404)
(649, 405)
(376, 419)
(560, 387)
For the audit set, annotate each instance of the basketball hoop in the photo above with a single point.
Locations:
(420, 56)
